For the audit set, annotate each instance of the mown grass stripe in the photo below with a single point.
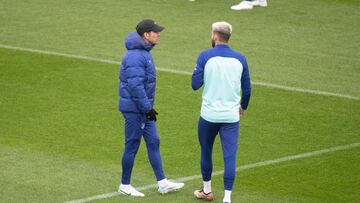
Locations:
(240, 168)
(182, 72)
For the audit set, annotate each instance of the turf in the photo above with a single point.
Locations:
(62, 136)
(308, 44)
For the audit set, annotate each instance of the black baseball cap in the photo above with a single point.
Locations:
(148, 25)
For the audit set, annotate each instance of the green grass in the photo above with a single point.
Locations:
(61, 135)
(308, 44)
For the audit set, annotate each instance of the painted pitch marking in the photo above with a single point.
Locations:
(240, 168)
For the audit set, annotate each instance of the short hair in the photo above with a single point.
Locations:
(223, 30)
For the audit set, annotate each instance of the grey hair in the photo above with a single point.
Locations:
(222, 27)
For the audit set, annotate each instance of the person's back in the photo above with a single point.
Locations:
(223, 72)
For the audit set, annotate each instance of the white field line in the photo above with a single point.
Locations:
(181, 72)
(240, 168)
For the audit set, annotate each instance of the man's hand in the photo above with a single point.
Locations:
(242, 112)
(151, 115)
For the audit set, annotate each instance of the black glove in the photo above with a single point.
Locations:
(151, 115)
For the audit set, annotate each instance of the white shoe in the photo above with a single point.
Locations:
(169, 186)
(244, 5)
(130, 190)
(262, 3)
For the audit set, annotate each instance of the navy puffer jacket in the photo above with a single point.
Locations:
(137, 76)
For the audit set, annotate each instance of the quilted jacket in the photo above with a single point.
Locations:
(137, 76)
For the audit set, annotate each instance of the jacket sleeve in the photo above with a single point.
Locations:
(245, 85)
(135, 72)
(198, 74)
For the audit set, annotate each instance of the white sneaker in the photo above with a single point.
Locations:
(244, 5)
(169, 186)
(130, 190)
(262, 3)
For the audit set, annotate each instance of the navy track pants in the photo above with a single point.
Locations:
(136, 127)
(229, 134)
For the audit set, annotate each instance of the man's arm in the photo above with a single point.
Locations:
(198, 74)
(135, 79)
(245, 87)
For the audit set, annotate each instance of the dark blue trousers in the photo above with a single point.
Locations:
(136, 127)
(229, 134)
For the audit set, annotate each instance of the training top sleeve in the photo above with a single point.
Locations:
(198, 74)
(245, 85)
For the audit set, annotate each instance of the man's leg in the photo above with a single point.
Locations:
(133, 132)
(152, 140)
(229, 134)
(207, 132)
(152, 144)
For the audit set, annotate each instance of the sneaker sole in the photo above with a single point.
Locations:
(241, 9)
(173, 190)
(204, 198)
(124, 193)
(128, 194)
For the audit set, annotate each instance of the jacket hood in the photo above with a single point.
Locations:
(134, 41)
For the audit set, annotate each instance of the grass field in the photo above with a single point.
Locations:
(61, 136)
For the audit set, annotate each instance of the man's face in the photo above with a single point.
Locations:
(152, 37)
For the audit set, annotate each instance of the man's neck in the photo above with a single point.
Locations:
(220, 43)
(146, 41)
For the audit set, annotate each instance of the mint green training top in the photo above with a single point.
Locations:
(224, 74)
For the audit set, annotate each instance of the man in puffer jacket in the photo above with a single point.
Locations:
(137, 93)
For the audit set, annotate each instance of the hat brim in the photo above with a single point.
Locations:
(157, 28)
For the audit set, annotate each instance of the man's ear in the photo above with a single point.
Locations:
(214, 36)
(146, 35)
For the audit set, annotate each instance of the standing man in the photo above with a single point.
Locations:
(224, 73)
(137, 93)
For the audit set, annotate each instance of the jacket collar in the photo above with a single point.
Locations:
(221, 46)
(134, 41)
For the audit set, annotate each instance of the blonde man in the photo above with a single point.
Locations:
(224, 74)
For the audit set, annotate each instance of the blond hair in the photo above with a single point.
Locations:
(223, 30)
(222, 27)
